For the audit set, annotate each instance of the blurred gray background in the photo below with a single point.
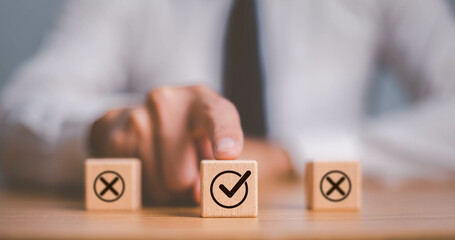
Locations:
(24, 23)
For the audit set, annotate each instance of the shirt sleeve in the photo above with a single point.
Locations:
(49, 104)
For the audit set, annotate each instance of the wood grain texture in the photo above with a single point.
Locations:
(414, 211)
(112, 184)
(333, 185)
(229, 188)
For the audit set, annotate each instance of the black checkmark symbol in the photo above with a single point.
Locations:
(237, 185)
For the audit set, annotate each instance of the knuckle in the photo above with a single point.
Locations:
(202, 90)
(199, 88)
(160, 94)
(110, 116)
(159, 99)
(135, 118)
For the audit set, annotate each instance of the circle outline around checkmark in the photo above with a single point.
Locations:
(213, 196)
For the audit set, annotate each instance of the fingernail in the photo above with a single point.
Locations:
(225, 145)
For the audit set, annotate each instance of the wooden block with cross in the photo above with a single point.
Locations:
(112, 184)
(229, 188)
(333, 185)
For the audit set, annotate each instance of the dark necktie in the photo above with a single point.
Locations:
(242, 74)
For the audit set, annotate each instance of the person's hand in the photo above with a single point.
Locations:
(171, 132)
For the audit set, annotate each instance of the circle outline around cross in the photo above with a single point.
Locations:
(347, 193)
(99, 176)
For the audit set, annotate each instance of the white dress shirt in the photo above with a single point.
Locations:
(318, 57)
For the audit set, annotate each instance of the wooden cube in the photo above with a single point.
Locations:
(112, 184)
(333, 185)
(229, 188)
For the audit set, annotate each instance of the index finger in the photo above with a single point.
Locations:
(217, 117)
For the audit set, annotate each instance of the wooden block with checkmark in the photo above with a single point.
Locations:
(229, 188)
(112, 184)
(333, 185)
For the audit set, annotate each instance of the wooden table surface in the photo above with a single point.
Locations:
(421, 211)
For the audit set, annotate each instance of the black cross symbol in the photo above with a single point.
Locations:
(108, 186)
(335, 186)
(327, 182)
